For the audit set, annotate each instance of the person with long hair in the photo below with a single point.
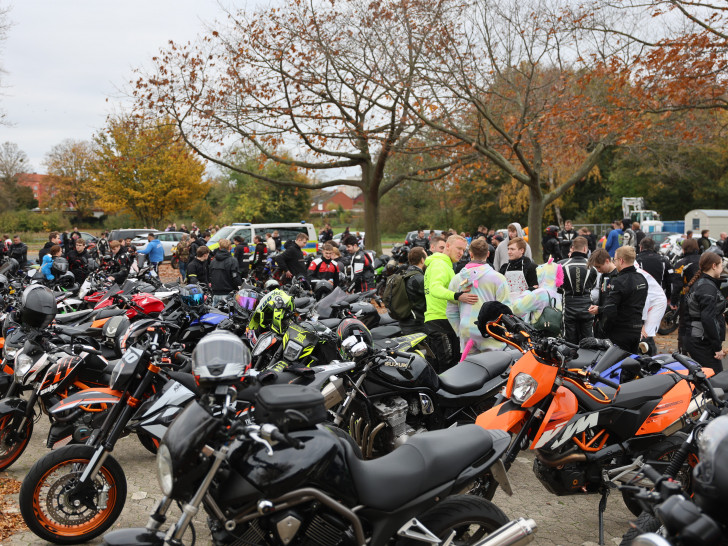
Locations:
(704, 320)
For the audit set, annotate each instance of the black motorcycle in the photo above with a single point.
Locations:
(291, 480)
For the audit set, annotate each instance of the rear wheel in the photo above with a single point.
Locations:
(668, 324)
(658, 456)
(13, 441)
(150, 443)
(464, 519)
(58, 510)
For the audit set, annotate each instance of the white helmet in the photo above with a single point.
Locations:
(220, 357)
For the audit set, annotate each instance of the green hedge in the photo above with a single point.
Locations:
(17, 221)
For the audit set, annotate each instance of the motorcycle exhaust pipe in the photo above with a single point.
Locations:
(565, 459)
(513, 533)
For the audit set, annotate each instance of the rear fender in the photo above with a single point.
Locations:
(507, 416)
(91, 398)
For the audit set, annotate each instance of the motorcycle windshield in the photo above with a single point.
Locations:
(323, 307)
(114, 289)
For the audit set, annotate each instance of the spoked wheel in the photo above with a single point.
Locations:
(462, 519)
(12, 441)
(58, 509)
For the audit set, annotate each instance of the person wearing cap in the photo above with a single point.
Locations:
(154, 250)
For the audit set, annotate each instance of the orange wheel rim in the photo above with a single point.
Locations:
(92, 519)
(6, 454)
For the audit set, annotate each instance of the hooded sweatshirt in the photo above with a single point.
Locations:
(530, 304)
(501, 252)
(438, 273)
(488, 285)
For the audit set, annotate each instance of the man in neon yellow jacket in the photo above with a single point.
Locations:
(438, 274)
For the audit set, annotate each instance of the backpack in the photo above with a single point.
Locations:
(395, 296)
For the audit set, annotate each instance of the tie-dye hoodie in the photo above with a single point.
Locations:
(488, 285)
(530, 304)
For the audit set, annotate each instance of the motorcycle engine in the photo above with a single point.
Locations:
(567, 479)
(317, 529)
(394, 411)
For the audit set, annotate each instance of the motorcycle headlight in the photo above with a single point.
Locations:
(23, 363)
(293, 351)
(264, 342)
(523, 388)
(164, 470)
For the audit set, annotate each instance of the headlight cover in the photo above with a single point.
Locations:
(23, 363)
(164, 470)
(293, 351)
(264, 342)
(523, 388)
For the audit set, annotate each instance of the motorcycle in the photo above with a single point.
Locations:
(290, 478)
(392, 396)
(76, 492)
(586, 437)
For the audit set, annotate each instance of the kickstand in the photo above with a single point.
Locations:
(602, 507)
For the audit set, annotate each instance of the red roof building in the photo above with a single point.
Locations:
(41, 186)
(328, 201)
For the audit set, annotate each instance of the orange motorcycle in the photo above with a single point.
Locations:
(588, 438)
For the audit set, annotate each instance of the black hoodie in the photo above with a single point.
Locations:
(224, 273)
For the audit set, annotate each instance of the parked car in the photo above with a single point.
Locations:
(337, 238)
(412, 234)
(121, 234)
(169, 240)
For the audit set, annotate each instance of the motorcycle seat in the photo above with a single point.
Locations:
(631, 395)
(332, 323)
(72, 331)
(585, 358)
(110, 312)
(383, 332)
(74, 316)
(473, 372)
(720, 381)
(385, 319)
(424, 462)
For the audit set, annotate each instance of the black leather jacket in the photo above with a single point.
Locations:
(579, 281)
(292, 259)
(415, 286)
(705, 307)
(659, 267)
(625, 301)
(224, 273)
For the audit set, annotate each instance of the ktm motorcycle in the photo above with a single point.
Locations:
(76, 492)
(51, 373)
(585, 437)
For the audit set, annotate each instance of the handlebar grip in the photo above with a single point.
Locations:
(571, 345)
(596, 378)
(689, 366)
(651, 473)
(408, 356)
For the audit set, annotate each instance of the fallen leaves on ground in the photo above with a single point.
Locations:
(11, 521)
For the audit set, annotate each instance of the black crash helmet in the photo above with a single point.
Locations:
(220, 357)
(59, 266)
(710, 476)
(353, 339)
(37, 306)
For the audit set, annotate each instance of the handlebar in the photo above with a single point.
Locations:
(594, 377)
(699, 377)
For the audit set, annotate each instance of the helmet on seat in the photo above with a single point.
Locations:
(59, 266)
(220, 357)
(272, 311)
(271, 284)
(710, 476)
(37, 306)
(353, 339)
(191, 296)
(246, 300)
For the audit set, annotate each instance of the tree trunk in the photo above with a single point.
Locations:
(535, 221)
(559, 219)
(371, 220)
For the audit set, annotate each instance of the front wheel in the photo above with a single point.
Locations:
(469, 518)
(60, 510)
(12, 441)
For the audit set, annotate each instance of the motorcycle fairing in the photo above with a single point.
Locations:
(670, 408)
(156, 413)
(544, 375)
(562, 409)
(507, 416)
(89, 397)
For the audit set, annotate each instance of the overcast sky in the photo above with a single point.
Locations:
(64, 58)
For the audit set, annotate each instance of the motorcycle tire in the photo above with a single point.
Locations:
(174, 262)
(13, 442)
(149, 443)
(50, 514)
(472, 519)
(645, 523)
(668, 324)
(662, 451)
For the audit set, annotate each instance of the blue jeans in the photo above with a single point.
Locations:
(183, 270)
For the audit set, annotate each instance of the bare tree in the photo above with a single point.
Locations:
(4, 28)
(304, 86)
(13, 161)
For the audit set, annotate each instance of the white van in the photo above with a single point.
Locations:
(286, 231)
